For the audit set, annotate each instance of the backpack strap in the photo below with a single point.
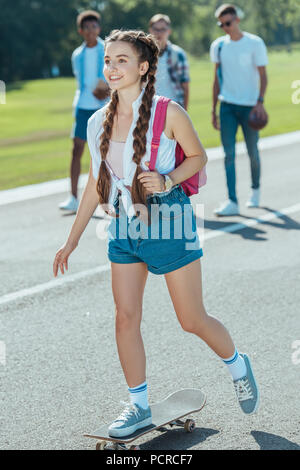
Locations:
(219, 71)
(158, 127)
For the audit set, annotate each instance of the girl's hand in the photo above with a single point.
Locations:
(61, 257)
(152, 180)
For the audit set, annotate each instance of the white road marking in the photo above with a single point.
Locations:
(265, 143)
(53, 284)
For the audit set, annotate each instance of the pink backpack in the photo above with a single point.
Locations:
(194, 183)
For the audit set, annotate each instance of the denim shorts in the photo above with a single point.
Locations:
(168, 243)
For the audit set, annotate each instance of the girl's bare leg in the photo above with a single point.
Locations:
(128, 284)
(185, 288)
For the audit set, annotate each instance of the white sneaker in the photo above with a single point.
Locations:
(70, 204)
(253, 200)
(99, 213)
(228, 208)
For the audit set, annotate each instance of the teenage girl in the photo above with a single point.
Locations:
(119, 138)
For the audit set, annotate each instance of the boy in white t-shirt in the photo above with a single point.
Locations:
(240, 84)
(91, 94)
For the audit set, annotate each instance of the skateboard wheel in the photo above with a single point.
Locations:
(133, 447)
(189, 425)
(100, 445)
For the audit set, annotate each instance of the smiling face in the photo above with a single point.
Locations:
(121, 65)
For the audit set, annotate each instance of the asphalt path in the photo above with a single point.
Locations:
(59, 369)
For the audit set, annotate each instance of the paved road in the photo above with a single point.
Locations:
(61, 377)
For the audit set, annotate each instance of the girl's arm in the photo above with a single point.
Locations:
(179, 127)
(87, 206)
(179, 124)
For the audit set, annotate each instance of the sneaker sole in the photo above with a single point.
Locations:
(130, 429)
(69, 210)
(258, 394)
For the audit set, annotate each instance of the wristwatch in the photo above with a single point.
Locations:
(168, 183)
(261, 99)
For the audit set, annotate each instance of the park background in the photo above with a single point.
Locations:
(36, 42)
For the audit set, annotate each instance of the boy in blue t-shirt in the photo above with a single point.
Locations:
(91, 94)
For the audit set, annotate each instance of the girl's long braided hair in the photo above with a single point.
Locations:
(147, 50)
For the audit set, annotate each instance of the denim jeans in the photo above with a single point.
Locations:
(231, 115)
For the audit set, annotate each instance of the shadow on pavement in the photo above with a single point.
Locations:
(253, 233)
(178, 439)
(267, 441)
(67, 214)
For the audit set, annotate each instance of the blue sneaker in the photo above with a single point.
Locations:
(132, 418)
(247, 390)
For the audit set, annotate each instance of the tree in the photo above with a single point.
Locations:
(36, 34)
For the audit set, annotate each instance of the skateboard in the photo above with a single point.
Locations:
(167, 412)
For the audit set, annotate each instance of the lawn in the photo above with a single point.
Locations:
(36, 120)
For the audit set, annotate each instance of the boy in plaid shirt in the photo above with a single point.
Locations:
(172, 76)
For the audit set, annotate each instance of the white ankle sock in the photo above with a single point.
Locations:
(139, 395)
(236, 366)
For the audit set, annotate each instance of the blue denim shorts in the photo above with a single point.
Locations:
(168, 243)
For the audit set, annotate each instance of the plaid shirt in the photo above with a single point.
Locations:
(178, 68)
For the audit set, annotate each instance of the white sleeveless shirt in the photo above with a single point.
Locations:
(165, 162)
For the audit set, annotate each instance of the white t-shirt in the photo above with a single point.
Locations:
(239, 62)
(87, 100)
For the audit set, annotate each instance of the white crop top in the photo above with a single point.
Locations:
(114, 157)
(165, 162)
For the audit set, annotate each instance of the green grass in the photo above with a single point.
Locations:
(36, 121)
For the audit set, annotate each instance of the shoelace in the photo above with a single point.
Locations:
(243, 390)
(129, 411)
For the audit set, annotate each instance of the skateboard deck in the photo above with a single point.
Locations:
(167, 412)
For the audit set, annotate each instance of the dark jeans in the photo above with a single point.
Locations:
(231, 115)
